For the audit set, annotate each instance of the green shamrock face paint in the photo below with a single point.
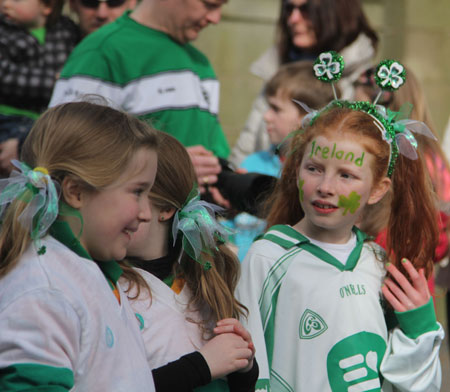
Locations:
(350, 203)
(300, 189)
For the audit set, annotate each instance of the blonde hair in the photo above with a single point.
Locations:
(91, 142)
(212, 290)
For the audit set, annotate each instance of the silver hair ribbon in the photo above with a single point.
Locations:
(404, 129)
(36, 188)
(200, 230)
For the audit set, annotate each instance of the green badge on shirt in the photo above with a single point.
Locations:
(353, 364)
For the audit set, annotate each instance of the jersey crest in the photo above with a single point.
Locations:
(311, 325)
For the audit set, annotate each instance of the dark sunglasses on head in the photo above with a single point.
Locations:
(289, 8)
(96, 3)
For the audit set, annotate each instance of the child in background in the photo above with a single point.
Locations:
(293, 81)
(192, 276)
(313, 283)
(66, 324)
(35, 41)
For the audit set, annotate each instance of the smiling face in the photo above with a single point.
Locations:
(110, 215)
(28, 13)
(282, 117)
(335, 183)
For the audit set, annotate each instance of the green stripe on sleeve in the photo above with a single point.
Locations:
(35, 377)
(418, 321)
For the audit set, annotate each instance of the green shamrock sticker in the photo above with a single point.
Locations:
(390, 75)
(350, 203)
(329, 66)
(300, 189)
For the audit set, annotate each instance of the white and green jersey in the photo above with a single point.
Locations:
(165, 328)
(318, 325)
(146, 73)
(62, 328)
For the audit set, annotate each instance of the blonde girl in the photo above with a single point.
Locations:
(192, 276)
(69, 209)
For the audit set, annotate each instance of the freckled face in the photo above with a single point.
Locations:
(335, 183)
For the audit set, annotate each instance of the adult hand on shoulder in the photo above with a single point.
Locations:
(403, 295)
(234, 326)
(206, 165)
(9, 150)
(225, 354)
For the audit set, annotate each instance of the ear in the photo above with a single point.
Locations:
(46, 10)
(72, 192)
(166, 214)
(379, 190)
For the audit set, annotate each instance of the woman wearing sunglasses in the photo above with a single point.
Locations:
(305, 28)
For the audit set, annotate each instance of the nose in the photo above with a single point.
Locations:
(102, 10)
(296, 16)
(267, 115)
(214, 16)
(326, 186)
(145, 212)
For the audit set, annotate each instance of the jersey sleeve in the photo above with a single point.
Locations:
(411, 362)
(255, 268)
(39, 343)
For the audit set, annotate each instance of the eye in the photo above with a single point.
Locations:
(347, 175)
(312, 169)
(139, 191)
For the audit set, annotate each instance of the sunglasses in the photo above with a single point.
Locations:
(289, 9)
(96, 3)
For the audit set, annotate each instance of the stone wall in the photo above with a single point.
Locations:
(415, 32)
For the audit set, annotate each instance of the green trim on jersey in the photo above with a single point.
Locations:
(61, 231)
(36, 377)
(287, 237)
(418, 321)
(278, 384)
(269, 298)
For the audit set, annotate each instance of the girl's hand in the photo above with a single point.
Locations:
(226, 353)
(234, 326)
(403, 295)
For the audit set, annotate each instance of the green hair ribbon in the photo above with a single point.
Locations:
(35, 188)
(200, 231)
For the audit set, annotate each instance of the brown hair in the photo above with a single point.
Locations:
(212, 290)
(413, 203)
(56, 11)
(91, 142)
(336, 23)
(296, 80)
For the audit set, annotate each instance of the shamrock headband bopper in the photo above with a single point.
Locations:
(395, 127)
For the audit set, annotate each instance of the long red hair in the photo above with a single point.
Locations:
(412, 229)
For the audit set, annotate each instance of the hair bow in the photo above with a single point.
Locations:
(36, 188)
(200, 230)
